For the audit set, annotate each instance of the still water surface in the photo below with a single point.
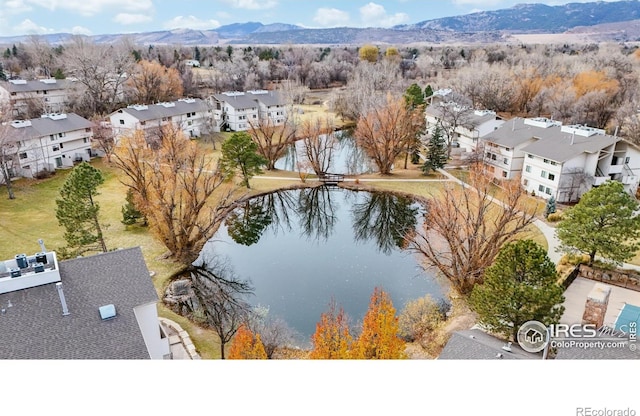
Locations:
(302, 248)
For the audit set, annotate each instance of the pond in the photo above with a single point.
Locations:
(340, 155)
(303, 248)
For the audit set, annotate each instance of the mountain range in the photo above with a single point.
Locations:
(486, 26)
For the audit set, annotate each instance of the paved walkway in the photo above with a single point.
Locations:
(179, 341)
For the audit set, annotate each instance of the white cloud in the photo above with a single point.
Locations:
(93, 7)
(252, 4)
(190, 22)
(327, 17)
(131, 19)
(16, 6)
(373, 14)
(81, 30)
(30, 27)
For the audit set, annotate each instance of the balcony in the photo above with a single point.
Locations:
(613, 169)
(599, 180)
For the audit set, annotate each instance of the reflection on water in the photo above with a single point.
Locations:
(301, 248)
(345, 157)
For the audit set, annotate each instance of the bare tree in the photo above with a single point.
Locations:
(103, 137)
(384, 132)
(465, 227)
(319, 142)
(182, 195)
(9, 147)
(272, 139)
(101, 70)
(274, 332)
(454, 116)
(574, 182)
(221, 296)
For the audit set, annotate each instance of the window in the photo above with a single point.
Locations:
(552, 163)
(547, 191)
(87, 130)
(544, 174)
(189, 122)
(188, 115)
(627, 160)
(84, 140)
(493, 156)
(540, 188)
(23, 155)
(525, 182)
(61, 134)
(545, 160)
(121, 121)
(530, 156)
(527, 169)
(142, 123)
(552, 177)
(55, 148)
(61, 146)
(505, 161)
(504, 173)
(52, 137)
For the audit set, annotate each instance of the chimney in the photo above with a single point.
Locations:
(65, 310)
(573, 136)
(595, 307)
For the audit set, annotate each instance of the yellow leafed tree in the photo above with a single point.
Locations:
(246, 346)
(152, 82)
(379, 338)
(332, 339)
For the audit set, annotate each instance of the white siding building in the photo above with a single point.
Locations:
(560, 161)
(235, 111)
(192, 115)
(50, 142)
(48, 95)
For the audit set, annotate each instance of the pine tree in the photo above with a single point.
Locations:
(604, 221)
(246, 346)
(379, 338)
(550, 208)
(130, 214)
(436, 152)
(78, 212)
(428, 91)
(239, 152)
(520, 286)
(3, 76)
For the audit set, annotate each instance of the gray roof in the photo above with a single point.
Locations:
(436, 110)
(33, 86)
(237, 101)
(268, 98)
(474, 344)
(159, 111)
(562, 146)
(34, 328)
(514, 133)
(45, 126)
(578, 352)
(549, 143)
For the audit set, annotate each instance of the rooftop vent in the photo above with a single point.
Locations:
(54, 116)
(167, 105)
(48, 81)
(107, 312)
(507, 347)
(18, 81)
(63, 302)
(258, 92)
(18, 124)
(542, 122)
(499, 355)
(482, 113)
(580, 130)
(233, 93)
(139, 107)
(187, 100)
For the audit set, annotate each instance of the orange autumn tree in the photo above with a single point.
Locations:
(379, 338)
(332, 339)
(246, 346)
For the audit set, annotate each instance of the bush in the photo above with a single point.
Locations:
(44, 174)
(555, 217)
(574, 259)
(421, 316)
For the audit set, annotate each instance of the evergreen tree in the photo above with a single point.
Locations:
(521, 285)
(604, 221)
(77, 211)
(3, 76)
(196, 54)
(428, 91)
(58, 74)
(436, 152)
(414, 96)
(239, 152)
(130, 214)
(550, 208)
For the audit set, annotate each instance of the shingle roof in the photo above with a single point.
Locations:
(46, 126)
(550, 142)
(237, 101)
(159, 111)
(477, 119)
(34, 328)
(474, 344)
(33, 86)
(268, 98)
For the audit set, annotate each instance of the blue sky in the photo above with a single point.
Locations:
(94, 17)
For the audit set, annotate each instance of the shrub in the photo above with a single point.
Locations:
(555, 217)
(421, 316)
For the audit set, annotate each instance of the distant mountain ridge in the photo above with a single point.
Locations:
(489, 26)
